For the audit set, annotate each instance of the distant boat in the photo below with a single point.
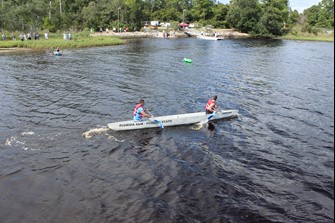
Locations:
(210, 37)
(57, 53)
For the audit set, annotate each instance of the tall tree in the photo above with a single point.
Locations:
(326, 14)
(244, 15)
(202, 9)
(274, 17)
(220, 15)
(135, 12)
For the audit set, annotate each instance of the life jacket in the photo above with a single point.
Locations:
(136, 109)
(209, 104)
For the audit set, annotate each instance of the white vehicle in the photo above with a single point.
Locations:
(154, 23)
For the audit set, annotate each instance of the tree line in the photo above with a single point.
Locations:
(257, 17)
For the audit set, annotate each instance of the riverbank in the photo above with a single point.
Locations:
(58, 41)
(81, 40)
(309, 38)
(8, 50)
(103, 39)
(226, 33)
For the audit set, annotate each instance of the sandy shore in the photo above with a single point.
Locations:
(226, 33)
(12, 49)
(140, 34)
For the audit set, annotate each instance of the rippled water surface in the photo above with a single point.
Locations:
(273, 163)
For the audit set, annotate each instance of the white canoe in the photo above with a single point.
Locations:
(172, 120)
(210, 37)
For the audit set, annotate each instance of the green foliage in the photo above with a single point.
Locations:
(244, 15)
(257, 17)
(293, 18)
(274, 17)
(321, 15)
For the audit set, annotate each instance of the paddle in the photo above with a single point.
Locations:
(155, 120)
(214, 113)
(211, 116)
(208, 118)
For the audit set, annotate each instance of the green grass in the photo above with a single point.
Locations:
(320, 34)
(55, 41)
(309, 38)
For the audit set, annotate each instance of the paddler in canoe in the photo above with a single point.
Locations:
(139, 112)
(57, 51)
(211, 105)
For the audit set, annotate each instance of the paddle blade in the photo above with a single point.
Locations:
(160, 123)
(211, 116)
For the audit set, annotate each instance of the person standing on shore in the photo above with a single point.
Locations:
(211, 105)
(139, 112)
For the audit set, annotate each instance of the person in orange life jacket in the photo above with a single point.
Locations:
(211, 105)
(139, 112)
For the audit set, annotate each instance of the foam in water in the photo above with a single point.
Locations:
(10, 141)
(90, 133)
(199, 125)
(13, 141)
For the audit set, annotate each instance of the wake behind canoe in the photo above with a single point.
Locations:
(171, 120)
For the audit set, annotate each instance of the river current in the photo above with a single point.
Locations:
(272, 163)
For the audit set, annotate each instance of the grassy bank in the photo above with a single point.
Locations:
(55, 41)
(308, 38)
(316, 34)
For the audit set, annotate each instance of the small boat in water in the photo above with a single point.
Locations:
(172, 120)
(57, 53)
(210, 37)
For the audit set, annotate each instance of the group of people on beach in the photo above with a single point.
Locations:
(140, 111)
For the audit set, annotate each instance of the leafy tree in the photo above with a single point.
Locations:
(244, 15)
(220, 15)
(258, 17)
(89, 15)
(274, 17)
(169, 14)
(321, 15)
(326, 14)
(312, 15)
(202, 9)
(134, 12)
(293, 18)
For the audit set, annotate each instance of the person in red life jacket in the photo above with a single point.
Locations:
(139, 112)
(211, 105)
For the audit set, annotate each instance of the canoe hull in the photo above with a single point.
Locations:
(171, 120)
(57, 53)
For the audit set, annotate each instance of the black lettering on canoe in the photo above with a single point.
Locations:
(125, 125)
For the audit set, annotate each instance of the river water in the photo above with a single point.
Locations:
(273, 163)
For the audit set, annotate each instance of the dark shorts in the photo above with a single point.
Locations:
(209, 112)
